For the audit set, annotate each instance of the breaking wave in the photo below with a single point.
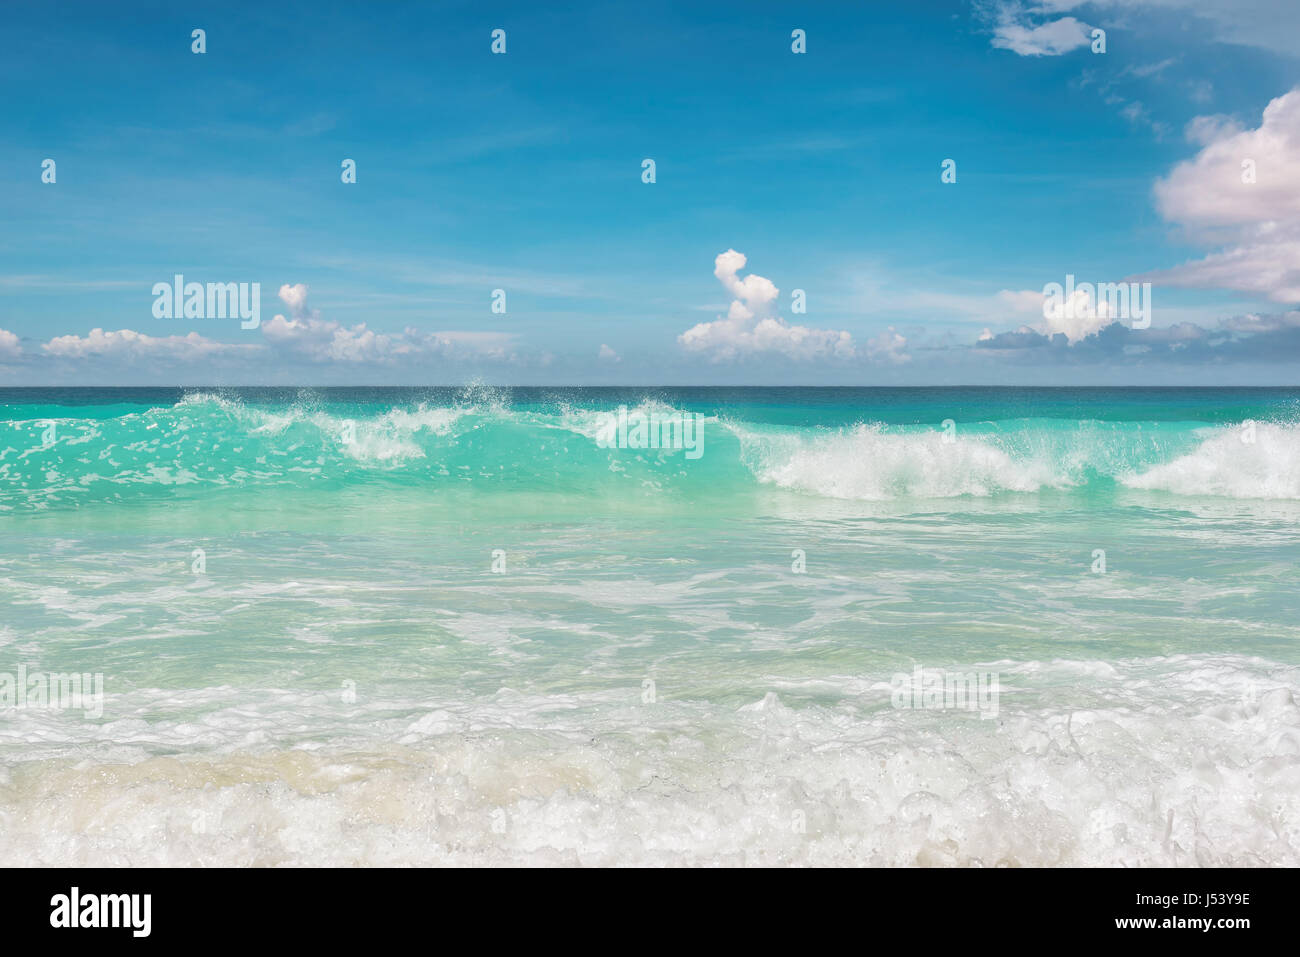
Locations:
(480, 439)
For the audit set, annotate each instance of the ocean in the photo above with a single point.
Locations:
(859, 626)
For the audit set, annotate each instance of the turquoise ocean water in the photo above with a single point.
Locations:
(448, 626)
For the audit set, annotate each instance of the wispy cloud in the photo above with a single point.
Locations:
(1024, 30)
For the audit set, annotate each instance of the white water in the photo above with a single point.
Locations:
(1175, 761)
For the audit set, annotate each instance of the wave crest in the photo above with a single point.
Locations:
(1228, 465)
(869, 463)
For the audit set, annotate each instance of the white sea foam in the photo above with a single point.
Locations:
(1186, 760)
(871, 463)
(1226, 465)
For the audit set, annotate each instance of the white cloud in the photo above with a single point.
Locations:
(752, 327)
(308, 336)
(1268, 269)
(1207, 191)
(1078, 317)
(755, 296)
(1256, 224)
(127, 343)
(1151, 69)
(324, 341)
(889, 347)
(1204, 130)
(305, 336)
(731, 339)
(1268, 24)
(1013, 32)
(607, 354)
(295, 297)
(453, 343)
(320, 340)
(9, 343)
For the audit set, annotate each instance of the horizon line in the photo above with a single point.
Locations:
(573, 385)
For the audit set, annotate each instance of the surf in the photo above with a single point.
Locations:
(493, 441)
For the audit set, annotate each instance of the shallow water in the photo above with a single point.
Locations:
(676, 660)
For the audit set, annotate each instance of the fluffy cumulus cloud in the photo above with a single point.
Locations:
(1076, 317)
(752, 327)
(305, 335)
(1080, 315)
(1241, 193)
(323, 341)
(295, 298)
(754, 295)
(129, 344)
(301, 337)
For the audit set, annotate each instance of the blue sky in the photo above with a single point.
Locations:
(523, 172)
